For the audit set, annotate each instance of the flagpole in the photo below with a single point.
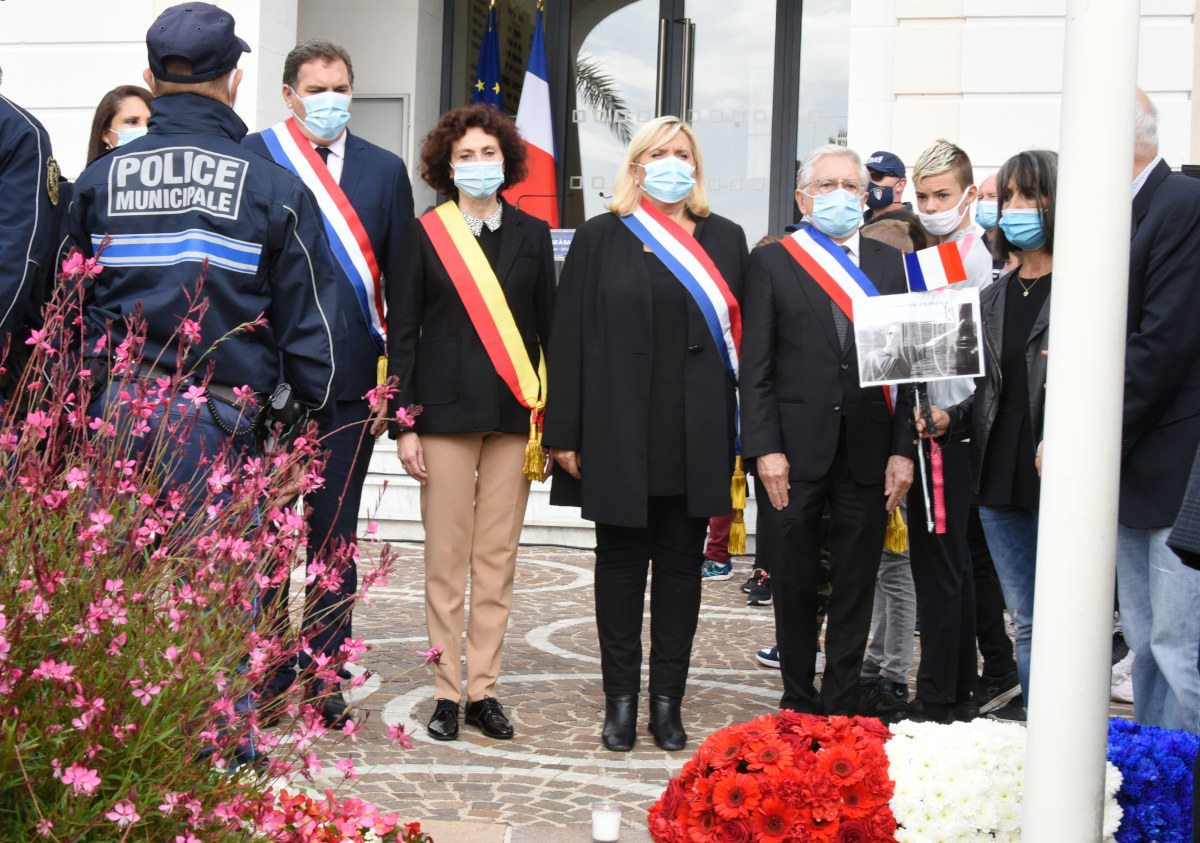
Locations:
(1076, 553)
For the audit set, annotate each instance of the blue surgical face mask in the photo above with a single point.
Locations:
(478, 179)
(326, 113)
(669, 180)
(837, 213)
(1022, 228)
(124, 136)
(985, 214)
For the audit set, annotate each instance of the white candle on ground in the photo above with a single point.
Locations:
(606, 821)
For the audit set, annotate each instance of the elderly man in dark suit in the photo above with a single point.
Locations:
(318, 81)
(1159, 596)
(819, 437)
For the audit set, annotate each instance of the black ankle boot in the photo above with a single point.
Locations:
(620, 722)
(665, 723)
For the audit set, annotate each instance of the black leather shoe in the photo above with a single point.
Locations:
(488, 716)
(443, 726)
(620, 722)
(666, 724)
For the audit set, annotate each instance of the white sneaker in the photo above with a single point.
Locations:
(1122, 679)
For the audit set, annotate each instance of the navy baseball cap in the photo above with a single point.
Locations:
(199, 32)
(886, 163)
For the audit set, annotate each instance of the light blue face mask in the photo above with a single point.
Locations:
(478, 179)
(326, 113)
(1022, 228)
(837, 213)
(124, 136)
(669, 180)
(985, 214)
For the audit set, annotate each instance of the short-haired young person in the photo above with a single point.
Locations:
(941, 563)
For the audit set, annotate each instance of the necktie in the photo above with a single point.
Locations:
(839, 319)
(323, 151)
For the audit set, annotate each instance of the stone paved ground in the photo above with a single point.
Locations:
(540, 786)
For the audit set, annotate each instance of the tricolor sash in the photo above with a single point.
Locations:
(347, 237)
(687, 261)
(481, 294)
(829, 265)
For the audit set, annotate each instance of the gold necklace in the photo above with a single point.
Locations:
(1030, 286)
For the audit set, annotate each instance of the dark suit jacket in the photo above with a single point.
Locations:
(600, 380)
(434, 350)
(1161, 426)
(376, 183)
(798, 383)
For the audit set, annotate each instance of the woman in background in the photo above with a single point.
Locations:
(121, 117)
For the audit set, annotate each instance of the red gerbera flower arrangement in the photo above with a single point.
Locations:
(780, 778)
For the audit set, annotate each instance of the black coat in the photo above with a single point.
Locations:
(974, 417)
(798, 383)
(600, 380)
(1161, 422)
(434, 350)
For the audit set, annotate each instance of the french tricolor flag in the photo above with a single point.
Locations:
(538, 194)
(938, 266)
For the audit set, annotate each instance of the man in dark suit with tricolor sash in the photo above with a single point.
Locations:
(366, 200)
(820, 439)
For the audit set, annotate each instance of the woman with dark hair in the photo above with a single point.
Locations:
(1003, 418)
(120, 117)
(645, 350)
(468, 319)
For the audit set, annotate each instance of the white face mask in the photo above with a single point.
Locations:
(943, 222)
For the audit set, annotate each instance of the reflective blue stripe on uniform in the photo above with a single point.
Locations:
(180, 247)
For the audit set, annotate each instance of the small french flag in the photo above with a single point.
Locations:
(938, 266)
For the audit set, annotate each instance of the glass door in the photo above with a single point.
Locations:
(710, 60)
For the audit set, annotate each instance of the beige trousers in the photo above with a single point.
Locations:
(473, 506)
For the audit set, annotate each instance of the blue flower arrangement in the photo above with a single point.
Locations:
(1156, 793)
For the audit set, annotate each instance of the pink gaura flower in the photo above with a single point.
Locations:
(123, 813)
(190, 330)
(195, 394)
(397, 734)
(53, 500)
(44, 826)
(80, 779)
(433, 655)
(346, 766)
(50, 669)
(244, 396)
(77, 265)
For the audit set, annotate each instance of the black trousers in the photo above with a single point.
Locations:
(766, 531)
(674, 542)
(941, 570)
(995, 646)
(856, 533)
(333, 520)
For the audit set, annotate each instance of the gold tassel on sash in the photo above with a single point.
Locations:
(737, 491)
(381, 371)
(535, 454)
(896, 539)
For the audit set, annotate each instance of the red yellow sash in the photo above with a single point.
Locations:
(481, 294)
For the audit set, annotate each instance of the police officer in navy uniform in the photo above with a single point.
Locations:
(29, 196)
(186, 193)
(318, 84)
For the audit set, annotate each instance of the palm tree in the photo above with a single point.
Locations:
(598, 91)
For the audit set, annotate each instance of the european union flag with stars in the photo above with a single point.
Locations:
(487, 79)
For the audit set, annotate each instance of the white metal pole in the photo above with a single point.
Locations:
(1072, 622)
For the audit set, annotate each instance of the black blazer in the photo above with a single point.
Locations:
(1161, 424)
(798, 383)
(600, 381)
(376, 183)
(433, 349)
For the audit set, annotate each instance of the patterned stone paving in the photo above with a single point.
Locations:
(540, 786)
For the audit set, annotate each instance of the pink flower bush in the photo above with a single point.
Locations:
(135, 633)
